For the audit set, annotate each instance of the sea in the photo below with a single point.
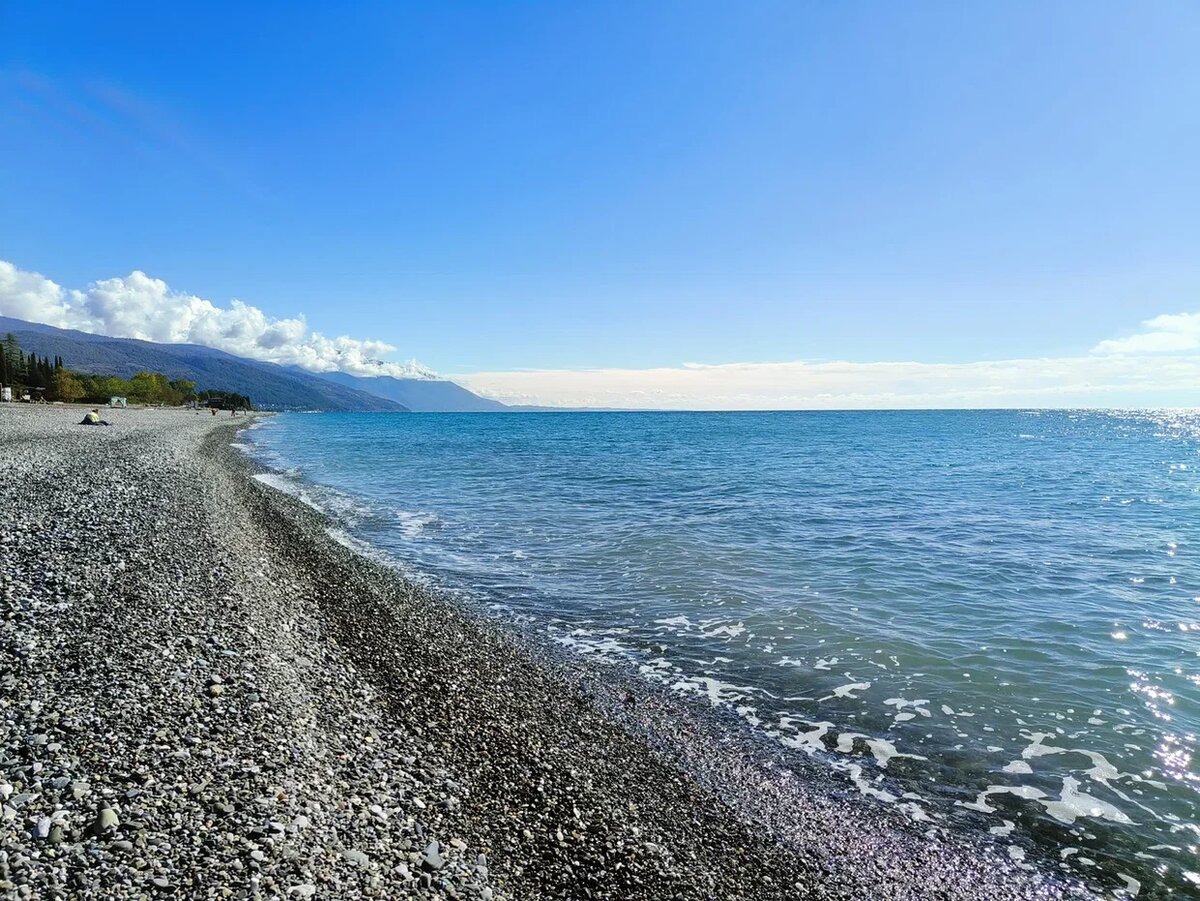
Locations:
(989, 617)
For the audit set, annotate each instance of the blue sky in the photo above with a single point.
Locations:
(490, 187)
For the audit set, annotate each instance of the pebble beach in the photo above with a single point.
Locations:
(205, 695)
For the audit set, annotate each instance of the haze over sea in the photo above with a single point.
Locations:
(989, 615)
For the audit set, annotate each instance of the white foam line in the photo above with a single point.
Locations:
(847, 691)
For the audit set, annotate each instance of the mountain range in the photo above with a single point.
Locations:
(419, 395)
(269, 385)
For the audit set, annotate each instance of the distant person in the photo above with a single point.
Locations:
(92, 417)
(214, 409)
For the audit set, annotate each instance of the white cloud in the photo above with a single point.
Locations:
(1120, 381)
(29, 296)
(138, 306)
(1169, 333)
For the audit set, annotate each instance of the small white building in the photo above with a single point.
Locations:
(115, 401)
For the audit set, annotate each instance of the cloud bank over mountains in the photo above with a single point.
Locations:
(138, 306)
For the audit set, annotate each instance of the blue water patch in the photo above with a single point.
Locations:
(999, 612)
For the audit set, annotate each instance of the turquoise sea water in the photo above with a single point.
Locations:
(973, 615)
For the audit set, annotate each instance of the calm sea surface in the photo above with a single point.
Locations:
(971, 614)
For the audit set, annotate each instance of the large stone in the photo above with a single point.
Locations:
(106, 821)
(432, 858)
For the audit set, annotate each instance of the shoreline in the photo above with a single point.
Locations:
(424, 734)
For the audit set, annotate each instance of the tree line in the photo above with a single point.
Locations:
(56, 382)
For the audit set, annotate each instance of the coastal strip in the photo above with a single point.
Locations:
(203, 695)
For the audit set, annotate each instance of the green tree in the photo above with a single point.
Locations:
(185, 388)
(12, 350)
(226, 400)
(99, 388)
(153, 388)
(66, 387)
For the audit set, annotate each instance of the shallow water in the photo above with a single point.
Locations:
(970, 613)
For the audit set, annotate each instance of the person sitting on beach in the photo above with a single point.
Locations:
(92, 417)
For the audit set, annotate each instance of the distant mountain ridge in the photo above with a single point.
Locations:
(419, 395)
(270, 386)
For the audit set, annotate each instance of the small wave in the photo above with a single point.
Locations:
(415, 524)
(727, 630)
(718, 691)
(848, 690)
(282, 483)
(681, 621)
(586, 642)
(348, 511)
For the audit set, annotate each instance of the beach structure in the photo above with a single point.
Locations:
(116, 401)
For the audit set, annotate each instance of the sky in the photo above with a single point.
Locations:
(623, 204)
